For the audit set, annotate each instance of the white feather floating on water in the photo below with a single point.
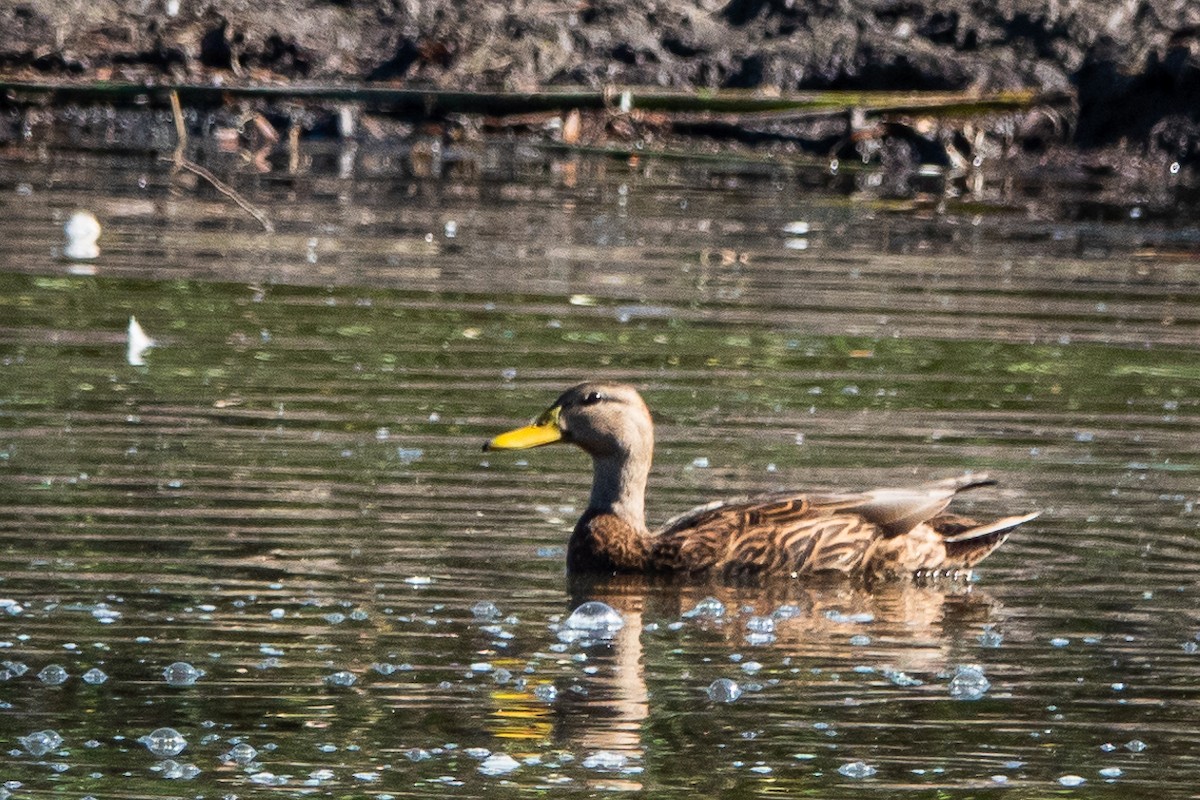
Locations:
(139, 343)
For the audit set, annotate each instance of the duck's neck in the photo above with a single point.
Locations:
(611, 535)
(619, 488)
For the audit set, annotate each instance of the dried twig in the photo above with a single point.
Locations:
(223, 188)
(182, 162)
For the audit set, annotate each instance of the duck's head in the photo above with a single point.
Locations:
(605, 419)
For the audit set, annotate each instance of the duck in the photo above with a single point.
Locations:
(887, 532)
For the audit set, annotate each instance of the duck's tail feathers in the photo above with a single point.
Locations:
(967, 546)
(961, 483)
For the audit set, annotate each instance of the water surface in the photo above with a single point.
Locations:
(289, 494)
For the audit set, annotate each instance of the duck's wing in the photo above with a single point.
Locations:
(798, 533)
(780, 533)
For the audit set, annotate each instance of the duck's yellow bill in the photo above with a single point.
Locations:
(543, 430)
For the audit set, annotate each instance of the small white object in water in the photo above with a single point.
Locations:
(595, 617)
(724, 690)
(499, 764)
(82, 231)
(1072, 780)
(138, 343)
(857, 770)
(164, 742)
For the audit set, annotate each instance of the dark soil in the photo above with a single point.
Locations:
(1130, 69)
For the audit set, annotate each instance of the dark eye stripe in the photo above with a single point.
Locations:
(591, 398)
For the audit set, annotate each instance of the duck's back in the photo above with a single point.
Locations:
(769, 534)
(885, 531)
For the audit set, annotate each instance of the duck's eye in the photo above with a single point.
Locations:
(591, 398)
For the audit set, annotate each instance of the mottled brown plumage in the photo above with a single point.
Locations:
(876, 533)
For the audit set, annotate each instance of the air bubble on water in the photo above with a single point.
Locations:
(708, 608)
(1072, 780)
(41, 742)
(595, 617)
(1059, 641)
(341, 678)
(785, 612)
(105, 615)
(408, 455)
(181, 674)
(546, 692)
(857, 770)
(10, 669)
(700, 462)
(860, 640)
(605, 761)
(172, 770)
(501, 675)
(751, 667)
(265, 778)
(240, 754)
(417, 754)
(991, 638)
(760, 625)
(53, 675)
(335, 618)
(1135, 745)
(484, 610)
(481, 666)
(94, 676)
(164, 742)
(842, 618)
(419, 580)
(499, 764)
(969, 683)
(1111, 772)
(724, 690)
(900, 678)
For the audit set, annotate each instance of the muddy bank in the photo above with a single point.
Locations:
(1127, 72)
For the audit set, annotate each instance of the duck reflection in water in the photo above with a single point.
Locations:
(679, 636)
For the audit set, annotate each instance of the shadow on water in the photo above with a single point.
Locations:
(288, 493)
